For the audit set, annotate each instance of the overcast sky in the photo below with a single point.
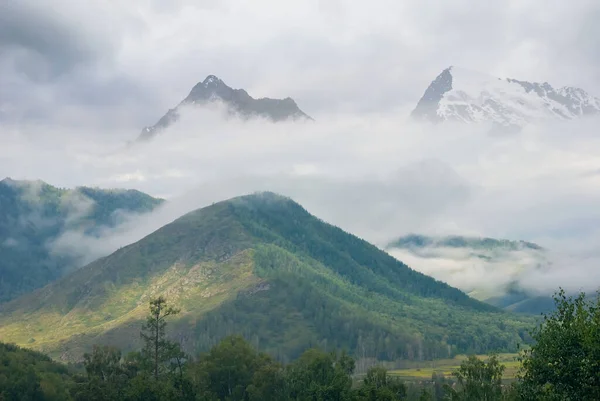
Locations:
(79, 79)
(122, 64)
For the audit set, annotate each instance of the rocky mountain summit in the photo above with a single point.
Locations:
(238, 102)
(458, 94)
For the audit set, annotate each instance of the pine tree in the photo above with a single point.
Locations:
(157, 349)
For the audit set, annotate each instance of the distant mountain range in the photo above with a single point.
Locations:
(34, 214)
(458, 94)
(262, 266)
(415, 241)
(496, 264)
(237, 101)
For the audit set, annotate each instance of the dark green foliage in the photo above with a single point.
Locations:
(106, 376)
(158, 372)
(157, 349)
(227, 372)
(34, 214)
(231, 371)
(378, 386)
(269, 382)
(564, 362)
(27, 376)
(285, 223)
(436, 389)
(478, 380)
(234, 371)
(302, 306)
(317, 375)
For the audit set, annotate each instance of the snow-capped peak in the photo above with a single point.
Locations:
(458, 94)
(211, 80)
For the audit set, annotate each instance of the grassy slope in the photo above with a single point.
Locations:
(259, 265)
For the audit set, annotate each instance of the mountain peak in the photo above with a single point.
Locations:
(211, 82)
(427, 107)
(257, 263)
(8, 181)
(463, 95)
(237, 101)
(211, 79)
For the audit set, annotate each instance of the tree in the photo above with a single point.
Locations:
(378, 386)
(425, 395)
(106, 377)
(269, 383)
(439, 385)
(103, 363)
(157, 349)
(478, 380)
(564, 361)
(228, 369)
(320, 376)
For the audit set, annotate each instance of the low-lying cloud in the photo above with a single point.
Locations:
(484, 273)
(375, 175)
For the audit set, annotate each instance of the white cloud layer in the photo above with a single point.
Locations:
(374, 175)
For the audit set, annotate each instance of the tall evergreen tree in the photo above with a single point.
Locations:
(157, 349)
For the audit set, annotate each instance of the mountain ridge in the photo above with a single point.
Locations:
(262, 266)
(34, 214)
(460, 95)
(238, 101)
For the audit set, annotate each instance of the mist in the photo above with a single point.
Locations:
(377, 176)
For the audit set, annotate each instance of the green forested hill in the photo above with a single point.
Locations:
(262, 266)
(30, 375)
(33, 214)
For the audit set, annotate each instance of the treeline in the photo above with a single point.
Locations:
(562, 364)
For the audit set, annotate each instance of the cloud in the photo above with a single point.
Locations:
(374, 175)
(485, 273)
(125, 63)
(43, 43)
